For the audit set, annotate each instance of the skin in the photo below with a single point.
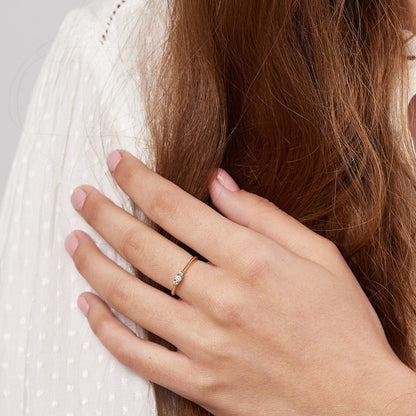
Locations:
(410, 6)
(275, 323)
(410, 24)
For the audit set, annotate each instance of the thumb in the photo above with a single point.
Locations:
(240, 206)
(261, 215)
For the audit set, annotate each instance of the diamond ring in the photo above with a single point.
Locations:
(179, 277)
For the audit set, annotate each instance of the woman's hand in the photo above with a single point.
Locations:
(274, 324)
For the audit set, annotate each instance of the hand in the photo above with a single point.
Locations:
(275, 323)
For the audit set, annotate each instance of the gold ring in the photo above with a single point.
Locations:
(179, 277)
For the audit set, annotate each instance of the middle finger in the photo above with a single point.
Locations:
(142, 246)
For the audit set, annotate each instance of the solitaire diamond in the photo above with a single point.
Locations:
(177, 279)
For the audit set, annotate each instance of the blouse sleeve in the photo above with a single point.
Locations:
(84, 104)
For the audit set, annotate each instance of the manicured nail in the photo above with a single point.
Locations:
(226, 180)
(83, 305)
(112, 160)
(71, 243)
(78, 198)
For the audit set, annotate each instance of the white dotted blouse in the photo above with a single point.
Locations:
(84, 104)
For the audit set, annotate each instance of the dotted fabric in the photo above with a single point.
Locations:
(84, 104)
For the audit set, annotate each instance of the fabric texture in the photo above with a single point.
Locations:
(86, 102)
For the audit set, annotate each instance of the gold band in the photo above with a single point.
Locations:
(179, 277)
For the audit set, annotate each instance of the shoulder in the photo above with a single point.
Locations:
(86, 100)
(100, 43)
(97, 26)
(111, 37)
(108, 22)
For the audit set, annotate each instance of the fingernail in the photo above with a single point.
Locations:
(83, 305)
(71, 243)
(112, 160)
(226, 180)
(78, 199)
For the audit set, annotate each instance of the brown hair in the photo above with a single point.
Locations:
(297, 101)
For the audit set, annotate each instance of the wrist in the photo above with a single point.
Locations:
(393, 392)
(403, 401)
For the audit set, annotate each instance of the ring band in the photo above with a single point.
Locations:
(179, 277)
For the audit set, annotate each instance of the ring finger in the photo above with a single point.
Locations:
(143, 304)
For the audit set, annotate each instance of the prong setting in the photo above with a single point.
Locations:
(178, 278)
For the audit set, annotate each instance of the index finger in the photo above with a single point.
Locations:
(182, 215)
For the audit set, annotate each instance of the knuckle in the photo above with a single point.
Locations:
(100, 325)
(124, 355)
(331, 247)
(254, 262)
(204, 384)
(216, 347)
(132, 245)
(163, 204)
(232, 313)
(262, 207)
(209, 341)
(228, 311)
(118, 292)
(208, 389)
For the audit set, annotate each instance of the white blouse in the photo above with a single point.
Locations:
(85, 103)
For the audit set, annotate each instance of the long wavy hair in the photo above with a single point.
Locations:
(303, 103)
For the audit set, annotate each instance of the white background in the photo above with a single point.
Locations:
(27, 30)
